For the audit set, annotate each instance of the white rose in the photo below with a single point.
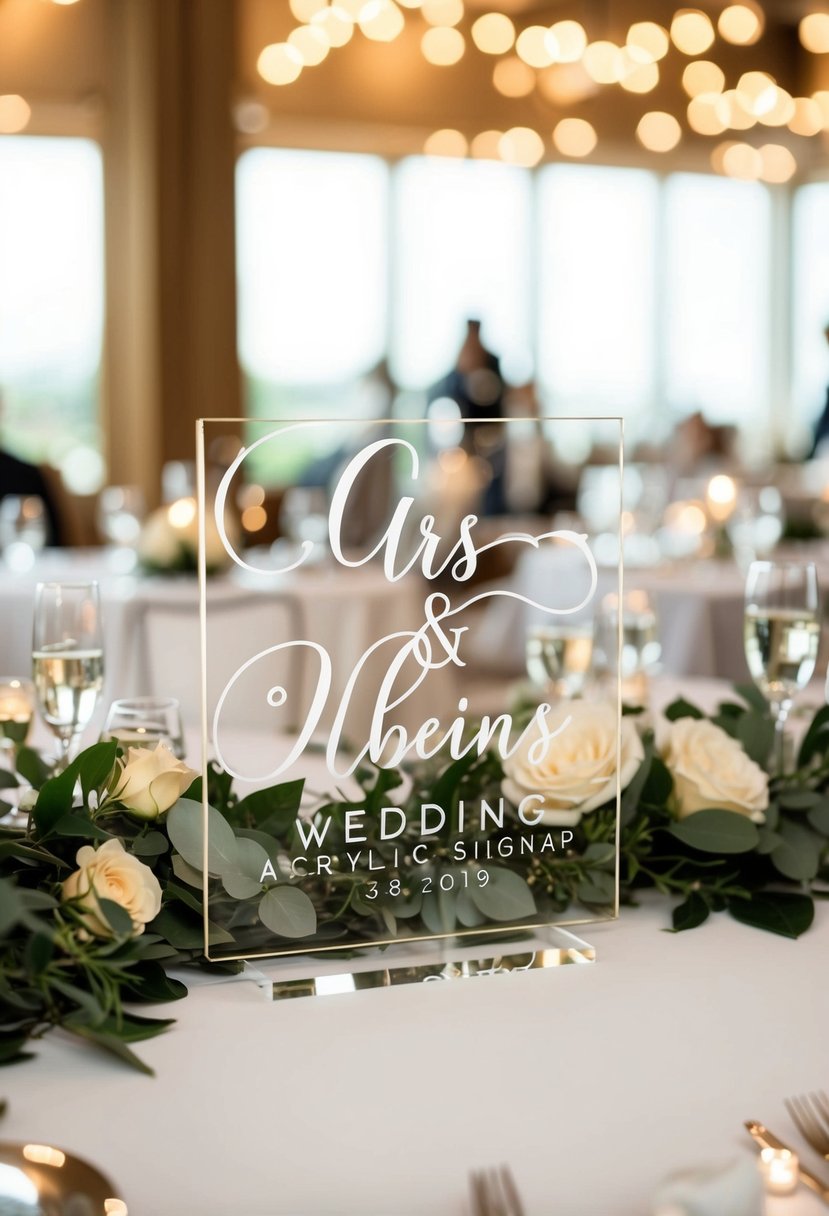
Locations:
(149, 782)
(109, 872)
(158, 544)
(710, 769)
(577, 772)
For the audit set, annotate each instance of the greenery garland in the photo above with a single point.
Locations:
(73, 958)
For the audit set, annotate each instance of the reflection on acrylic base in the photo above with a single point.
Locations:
(395, 782)
(427, 962)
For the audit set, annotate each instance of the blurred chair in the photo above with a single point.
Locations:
(164, 636)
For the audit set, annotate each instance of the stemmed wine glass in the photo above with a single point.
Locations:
(146, 722)
(558, 658)
(67, 659)
(782, 632)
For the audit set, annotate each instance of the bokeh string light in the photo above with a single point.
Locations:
(566, 63)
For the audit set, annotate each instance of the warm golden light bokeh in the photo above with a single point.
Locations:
(15, 113)
(814, 33)
(757, 93)
(702, 76)
(807, 118)
(658, 131)
(335, 24)
(741, 24)
(521, 146)
(305, 10)
(512, 77)
(382, 21)
(647, 42)
(442, 12)
(280, 63)
(604, 62)
(311, 44)
(639, 77)
(705, 115)
(692, 31)
(485, 145)
(742, 161)
(575, 137)
(493, 33)
(567, 41)
(442, 45)
(446, 142)
(531, 46)
(777, 164)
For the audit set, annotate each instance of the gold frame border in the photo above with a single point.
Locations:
(495, 930)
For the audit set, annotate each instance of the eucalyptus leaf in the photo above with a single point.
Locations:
(505, 897)
(117, 917)
(797, 856)
(274, 810)
(716, 831)
(756, 734)
(151, 844)
(691, 913)
(187, 873)
(468, 915)
(751, 694)
(777, 912)
(680, 708)
(185, 829)
(818, 817)
(799, 800)
(288, 912)
(598, 888)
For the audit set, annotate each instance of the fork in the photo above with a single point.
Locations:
(810, 1114)
(494, 1193)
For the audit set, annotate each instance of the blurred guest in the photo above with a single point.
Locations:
(821, 434)
(18, 477)
(475, 382)
(696, 445)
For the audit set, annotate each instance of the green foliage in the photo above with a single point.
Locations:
(54, 973)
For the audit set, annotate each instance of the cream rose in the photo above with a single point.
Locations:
(149, 782)
(711, 770)
(109, 872)
(577, 771)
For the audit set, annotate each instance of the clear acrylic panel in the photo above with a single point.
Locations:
(411, 735)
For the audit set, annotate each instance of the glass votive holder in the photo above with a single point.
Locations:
(780, 1170)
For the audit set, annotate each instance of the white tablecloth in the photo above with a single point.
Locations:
(151, 628)
(592, 1082)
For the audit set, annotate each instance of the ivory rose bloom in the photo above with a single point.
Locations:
(710, 769)
(149, 782)
(109, 872)
(577, 771)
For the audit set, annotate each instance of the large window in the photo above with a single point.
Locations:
(811, 300)
(52, 302)
(717, 297)
(312, 245)
(596, 294)
(462, 248)
(622, 291)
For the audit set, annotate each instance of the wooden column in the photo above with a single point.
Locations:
(170, 157)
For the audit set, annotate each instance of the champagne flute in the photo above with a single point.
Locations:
(782, 633)
(559, 656)
(67, 659)
(641, 646)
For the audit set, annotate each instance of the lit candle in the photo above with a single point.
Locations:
(16, 710)
(721, 498)
(780, 1170)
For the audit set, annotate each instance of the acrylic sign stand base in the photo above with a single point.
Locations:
(418, 963)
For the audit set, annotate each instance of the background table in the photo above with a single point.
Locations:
(592, 1082)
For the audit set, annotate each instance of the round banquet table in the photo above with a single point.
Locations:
(151, 630)
(592, 1082)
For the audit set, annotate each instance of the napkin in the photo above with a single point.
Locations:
(731, 1189)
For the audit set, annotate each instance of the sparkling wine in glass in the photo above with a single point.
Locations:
(641, 648)
(67, 659)
(782, 634)
(559, 657)
(146, 722)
